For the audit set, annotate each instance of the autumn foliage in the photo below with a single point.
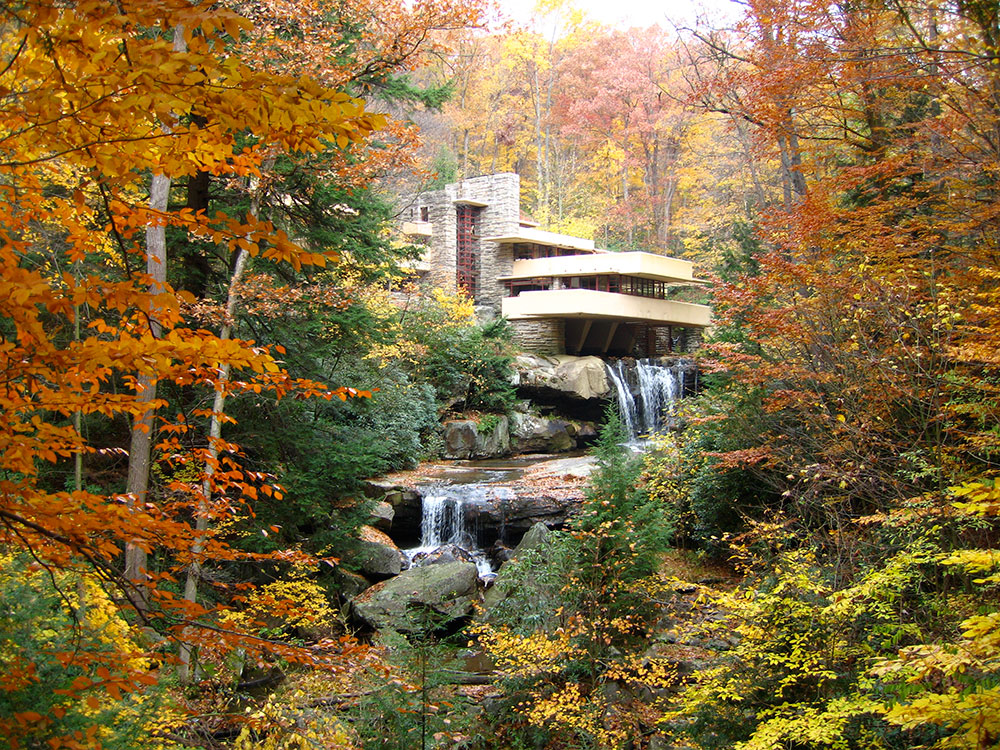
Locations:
(97, 98)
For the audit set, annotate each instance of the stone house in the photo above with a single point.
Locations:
(561, 294)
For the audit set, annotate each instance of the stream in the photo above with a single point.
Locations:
(465, 509)
(470, 511)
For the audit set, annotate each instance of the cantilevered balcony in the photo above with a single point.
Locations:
(643, 265)
(528, 236)
(418, 229)
(588, 303)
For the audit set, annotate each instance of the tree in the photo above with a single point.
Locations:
(861, 332)
(854, 381)
(89, 91)
(588, 603)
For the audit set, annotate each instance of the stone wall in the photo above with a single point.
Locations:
(502, 195)
(691, 339)
(547, 337)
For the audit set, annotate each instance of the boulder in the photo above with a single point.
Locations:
(500, 553)
(530, 433)
(377, 554)
(493, 436)
(469, 438)
(439, 593)
(349, 584)
(381, 515)
(460, 436)
(573, 377)
(446, 553)
(405, 503)
(536, 537)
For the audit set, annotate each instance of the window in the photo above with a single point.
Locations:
(467, 260)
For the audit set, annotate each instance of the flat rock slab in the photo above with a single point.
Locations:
(577, 467)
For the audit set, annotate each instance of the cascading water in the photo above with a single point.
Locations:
(445, 513)
(659, 386)
(442, 522)
(626, 401)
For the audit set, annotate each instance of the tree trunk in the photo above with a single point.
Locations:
(137, 484)
(186, 651)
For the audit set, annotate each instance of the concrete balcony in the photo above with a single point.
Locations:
(643, 265)
(586, 303)
(418, 229)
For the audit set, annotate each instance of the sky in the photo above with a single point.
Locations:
(628, 13)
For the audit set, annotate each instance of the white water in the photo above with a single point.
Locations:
(444, 521)
(626, 401)
(659, 387)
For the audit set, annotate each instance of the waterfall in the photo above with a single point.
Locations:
(658, 387)
(443, 521)
(626, 401)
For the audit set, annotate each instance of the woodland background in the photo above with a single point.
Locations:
(203, 353)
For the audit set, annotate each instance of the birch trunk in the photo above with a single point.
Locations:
(140, 447)
(186, 650)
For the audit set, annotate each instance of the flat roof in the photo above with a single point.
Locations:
(527, 235)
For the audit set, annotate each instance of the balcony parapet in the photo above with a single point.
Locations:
(529, 236)
(587, 303)
(418, 228)
(643, 265)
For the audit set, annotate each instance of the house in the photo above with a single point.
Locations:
(561, 294)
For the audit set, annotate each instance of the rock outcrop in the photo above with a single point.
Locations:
(420, 598)
(562, 376)
(509, 517)
(381, 514)
(469, 438)
(534, 434)
(405, 503)
(520, 433)
(377, 554)
(537, 537)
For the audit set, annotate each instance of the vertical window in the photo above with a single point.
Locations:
(467, 260)
(425, 213)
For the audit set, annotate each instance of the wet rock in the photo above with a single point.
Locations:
(377, 554)
(446, 553)
(506, 516)
(431, 595)
(500, 553)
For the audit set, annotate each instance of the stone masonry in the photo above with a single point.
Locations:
(544, 337)
(502, 194)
